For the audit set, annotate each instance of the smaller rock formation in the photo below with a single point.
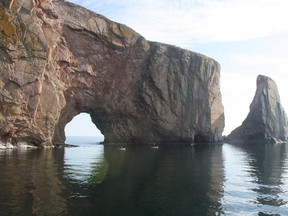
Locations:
(266, 121)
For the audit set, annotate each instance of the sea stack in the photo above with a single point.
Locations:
(266, 121)
(58, 59)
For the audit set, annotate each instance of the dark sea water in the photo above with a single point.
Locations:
(93, 179)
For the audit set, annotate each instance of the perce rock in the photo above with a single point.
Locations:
(266, 121)
(58, 59)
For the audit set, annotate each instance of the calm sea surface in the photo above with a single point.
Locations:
(93, 179)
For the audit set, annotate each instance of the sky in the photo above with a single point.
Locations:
(247, 38)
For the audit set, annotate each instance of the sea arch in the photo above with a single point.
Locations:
(68, 113)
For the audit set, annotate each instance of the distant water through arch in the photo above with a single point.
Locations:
(82, 130)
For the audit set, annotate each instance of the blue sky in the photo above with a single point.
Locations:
(247, 38)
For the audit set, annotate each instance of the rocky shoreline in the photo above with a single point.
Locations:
(23, 145)
(17, 146)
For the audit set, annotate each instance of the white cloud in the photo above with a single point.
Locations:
(185, 22)
(251, 58)
(272, 63)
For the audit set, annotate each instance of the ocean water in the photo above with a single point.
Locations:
(93, 179)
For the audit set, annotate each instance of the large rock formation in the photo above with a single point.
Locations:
(266, 121)
(58, 59)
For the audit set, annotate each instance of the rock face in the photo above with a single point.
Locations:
(58, 59)
(266, 121)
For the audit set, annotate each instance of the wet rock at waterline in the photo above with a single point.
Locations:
(58, 59)
(266, 121)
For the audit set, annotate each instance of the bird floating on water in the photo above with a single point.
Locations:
(154, 146)
(122, 148)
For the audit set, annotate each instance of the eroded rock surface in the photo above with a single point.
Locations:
(266, 121)
(58, 59)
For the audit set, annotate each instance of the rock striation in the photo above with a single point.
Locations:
(266, 121)
(58, 59)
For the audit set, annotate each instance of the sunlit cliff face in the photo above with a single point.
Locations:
(61, 60)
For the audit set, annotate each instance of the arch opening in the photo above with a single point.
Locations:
(81, 128)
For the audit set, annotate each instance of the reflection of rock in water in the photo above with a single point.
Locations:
(99, 172)
(217, 178)
(267, 168)
(30, 183)
(163, 182)
(48, 186)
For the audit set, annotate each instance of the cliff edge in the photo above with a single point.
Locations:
(58, 59)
